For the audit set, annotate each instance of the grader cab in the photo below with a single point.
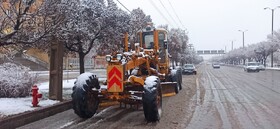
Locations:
(139, 75)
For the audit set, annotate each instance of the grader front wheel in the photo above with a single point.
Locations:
(85, 101)
(152, 99)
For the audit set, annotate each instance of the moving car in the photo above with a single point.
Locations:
(189, 69)
(216, 65)
(251, 67)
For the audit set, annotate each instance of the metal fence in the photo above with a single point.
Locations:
(90, 63)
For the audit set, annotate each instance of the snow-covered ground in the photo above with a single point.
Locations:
(11, 106)
(273, 68)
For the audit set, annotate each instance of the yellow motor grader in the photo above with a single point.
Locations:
(139, 75)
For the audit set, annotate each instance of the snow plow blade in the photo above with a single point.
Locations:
(168, 88)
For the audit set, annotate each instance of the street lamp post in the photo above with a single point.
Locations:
(243, 31)
(232, 44)
(243, 35)
(272, 11)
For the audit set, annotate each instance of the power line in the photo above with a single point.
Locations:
(160, 12)
(168, 13)
(124, 6)
(176, 14)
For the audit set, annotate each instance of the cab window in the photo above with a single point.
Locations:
(148, 40)
(161, 38)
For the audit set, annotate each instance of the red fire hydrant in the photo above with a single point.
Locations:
(35, 96)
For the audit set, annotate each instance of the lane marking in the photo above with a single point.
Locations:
(197, 92)
(67, 124)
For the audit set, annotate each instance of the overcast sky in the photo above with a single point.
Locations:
(213, 24)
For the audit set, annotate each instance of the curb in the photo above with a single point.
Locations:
(31, 116)
(272, 69)
(267, 68)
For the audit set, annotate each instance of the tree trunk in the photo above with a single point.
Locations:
(81, 61)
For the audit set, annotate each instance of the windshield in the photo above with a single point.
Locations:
(148, 40)
(253, 64)
(188, 66)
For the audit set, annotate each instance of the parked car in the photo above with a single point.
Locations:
(216, 65)
(222, 64)
(251, 67)
(261, 66)
(189, 69)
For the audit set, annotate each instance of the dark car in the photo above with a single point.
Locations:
(189, 69)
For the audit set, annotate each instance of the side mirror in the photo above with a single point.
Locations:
(165, 44)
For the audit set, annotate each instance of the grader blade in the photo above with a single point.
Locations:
(168, 88)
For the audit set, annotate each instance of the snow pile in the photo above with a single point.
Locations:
(15, 81)
(173, 72)
(134, 72)
(87, 80)
(81, 80)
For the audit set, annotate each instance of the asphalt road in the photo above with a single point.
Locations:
(215, 98)
(237, 99)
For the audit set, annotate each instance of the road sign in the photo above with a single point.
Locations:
(115, 78)
(210, 52)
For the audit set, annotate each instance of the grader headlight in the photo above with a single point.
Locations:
(108, 58)
(119, 57)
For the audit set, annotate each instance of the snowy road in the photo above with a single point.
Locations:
(215, 98)
(237, 99)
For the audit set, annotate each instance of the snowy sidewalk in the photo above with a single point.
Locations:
(12, 106)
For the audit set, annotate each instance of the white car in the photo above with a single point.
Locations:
(216, 65)
(251, 67)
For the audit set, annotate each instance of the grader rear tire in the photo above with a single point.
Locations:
(180, 79)
(85, 101)
(152, 99)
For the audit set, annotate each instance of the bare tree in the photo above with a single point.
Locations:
(27, 21)
(177, 45)
(138, 21)
(117, 24)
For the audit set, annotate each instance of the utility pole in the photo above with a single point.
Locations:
(232, 45)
